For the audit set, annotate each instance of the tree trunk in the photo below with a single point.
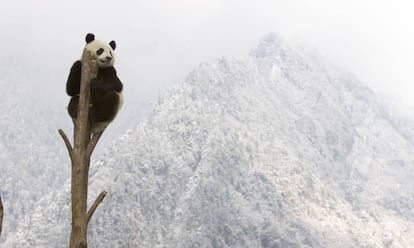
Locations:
(1, 215)
(80, 163)
(80, 156)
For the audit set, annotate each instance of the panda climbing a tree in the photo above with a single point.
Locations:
(106, 88)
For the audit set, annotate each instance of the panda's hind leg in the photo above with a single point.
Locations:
(98, 127)
(73, 107)
(105, 107)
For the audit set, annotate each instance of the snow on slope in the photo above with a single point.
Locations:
(273, 150)
(31, 158)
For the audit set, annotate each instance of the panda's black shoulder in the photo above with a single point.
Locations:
(76, 67)
(107, 72)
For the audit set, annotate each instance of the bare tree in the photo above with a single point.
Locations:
(1, 215)
(80, 154)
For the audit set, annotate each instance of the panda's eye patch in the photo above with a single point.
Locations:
(100, 51)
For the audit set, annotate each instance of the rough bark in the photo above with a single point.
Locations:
(80, 155)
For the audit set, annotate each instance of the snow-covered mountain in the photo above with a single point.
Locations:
(275, 149)
(32, 161)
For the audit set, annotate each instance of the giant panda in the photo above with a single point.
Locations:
(106, 88)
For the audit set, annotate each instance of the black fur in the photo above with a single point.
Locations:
(73, 83)
(104, 88)
(100, 51)
(112, 44)
(89, 37)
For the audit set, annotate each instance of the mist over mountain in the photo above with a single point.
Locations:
(274, 149)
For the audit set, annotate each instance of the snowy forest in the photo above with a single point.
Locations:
(270, 145)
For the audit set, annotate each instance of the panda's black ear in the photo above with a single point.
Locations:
(89, 37)
(112, 44)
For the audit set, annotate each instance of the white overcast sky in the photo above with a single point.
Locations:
(160, 41)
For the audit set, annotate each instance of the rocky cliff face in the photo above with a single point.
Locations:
(275, 149)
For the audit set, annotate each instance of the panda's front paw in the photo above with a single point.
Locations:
(95, 81)
(96, 84)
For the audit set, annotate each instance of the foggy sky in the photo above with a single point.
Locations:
(160, 41)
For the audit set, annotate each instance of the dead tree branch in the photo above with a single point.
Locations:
(92, 143)
(67, 143)
(1, 215)
(98, 200)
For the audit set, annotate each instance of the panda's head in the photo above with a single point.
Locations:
(101, 51)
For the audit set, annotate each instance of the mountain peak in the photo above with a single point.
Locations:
(271, 45)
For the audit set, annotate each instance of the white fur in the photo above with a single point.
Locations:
(101, 59)
(121, 101)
